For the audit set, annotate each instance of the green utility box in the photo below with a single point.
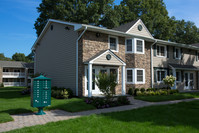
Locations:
(41, 93)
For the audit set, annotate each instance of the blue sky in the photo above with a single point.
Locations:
(17, 33)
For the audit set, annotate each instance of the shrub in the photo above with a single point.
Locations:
(173, 91)
(169, 81)
(26, 91)
(61, 93)
(107, 84)
(123, 100)
(130, 91)
(142, 90)
(135, 91)
(2, 85)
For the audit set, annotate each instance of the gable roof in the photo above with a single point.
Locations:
(17, 64)
(103, 52)
(125, 27)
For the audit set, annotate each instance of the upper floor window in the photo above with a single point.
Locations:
(161, 51)
(177, 53)
(5, 70)
(113, 43)
(135, 46)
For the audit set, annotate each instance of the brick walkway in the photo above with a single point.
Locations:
(30, 119)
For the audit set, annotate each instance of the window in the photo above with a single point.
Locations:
(135, 76)
(113, 43)
(139, 46)
(135, 46)
(177, 53)
(178, 76)
(140, 75)
(130, 76)
(17, 70)
(5, 70)
(160, 75)
(129, 45)
(161, 51)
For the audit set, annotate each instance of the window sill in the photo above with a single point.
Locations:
(161, 56)
(140, 83)
(114, 50)
(130, 83)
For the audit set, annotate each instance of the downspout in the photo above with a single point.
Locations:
(152, 63)
(77, 59)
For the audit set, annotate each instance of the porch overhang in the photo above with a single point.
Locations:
(184, 67)
(106, 57)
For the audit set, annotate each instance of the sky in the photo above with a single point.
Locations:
(17, 18)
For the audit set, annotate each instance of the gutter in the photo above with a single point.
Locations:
(152, 63)
(77, 59)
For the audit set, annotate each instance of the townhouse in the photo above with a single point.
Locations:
(15, 73)
(73, 54)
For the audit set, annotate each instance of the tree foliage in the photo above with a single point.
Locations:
(2, 57)
(104, 13)
(186, 32)
(22, 57)
(79, 11)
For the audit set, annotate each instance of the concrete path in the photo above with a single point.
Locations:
(30, 119)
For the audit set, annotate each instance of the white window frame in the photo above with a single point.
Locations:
(165, 50)
(133, 80)
(134, 76)
(137, 82)
(132, 50)
(117, 45)
(160, 75)
(134, 45)
(179, 76)
(179, 54)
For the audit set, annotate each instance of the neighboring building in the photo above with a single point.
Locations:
(16, 73)
(73, 54)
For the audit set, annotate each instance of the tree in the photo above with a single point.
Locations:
(80, 11)
(30, 57)
(2, 57)
(19, 57)
(186, 32)
(152, 12)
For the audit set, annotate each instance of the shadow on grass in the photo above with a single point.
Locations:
(181, 114)
(16, 111)
(11, 92)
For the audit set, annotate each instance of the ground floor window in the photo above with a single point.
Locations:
(160, 74)
(178, 76)
(135, 75)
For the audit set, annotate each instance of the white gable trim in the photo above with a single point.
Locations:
(143, 25)
(92, 61)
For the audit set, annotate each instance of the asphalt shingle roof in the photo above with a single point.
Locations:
(125, 27)
(17, 64)
(178, 66)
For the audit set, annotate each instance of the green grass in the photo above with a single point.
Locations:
(12, 102)
(176, 96)
(175, 118)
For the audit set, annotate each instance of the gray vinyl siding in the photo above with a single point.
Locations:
(55, 56)
(143, 32)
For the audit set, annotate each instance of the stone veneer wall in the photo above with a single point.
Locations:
(90, 45)
(140, 61)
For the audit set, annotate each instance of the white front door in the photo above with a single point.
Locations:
(95, 72)
(189, 83)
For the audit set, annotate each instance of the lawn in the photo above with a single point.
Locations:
(175, 118)
(12, 102)
(176, 96)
